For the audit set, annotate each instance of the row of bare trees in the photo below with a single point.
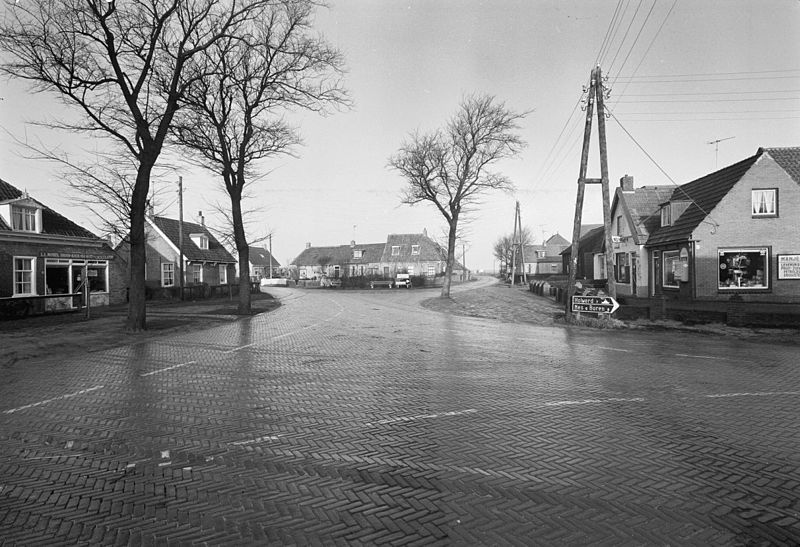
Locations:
(505, 248)
(216, 77)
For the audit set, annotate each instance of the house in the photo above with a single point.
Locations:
(338, 261)
(415, 254)
(545, 259)
(261, 262)
(45, 257)
(591, 253)
(735, 231)
(634, 215)
(205, 260)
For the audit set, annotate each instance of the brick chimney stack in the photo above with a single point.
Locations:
(626, 183)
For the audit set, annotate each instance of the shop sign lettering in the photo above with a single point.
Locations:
(78, 256)
(788, 266)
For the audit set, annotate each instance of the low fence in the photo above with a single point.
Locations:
(196, 292)
(23, 306)
(734, 311)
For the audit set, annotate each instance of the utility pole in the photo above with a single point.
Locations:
(514, 248)
(464, 260)
(596, 92)
(270, 256)
(716, 149)
(521, 246)
(180, 233)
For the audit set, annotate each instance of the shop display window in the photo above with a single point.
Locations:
(744, 269)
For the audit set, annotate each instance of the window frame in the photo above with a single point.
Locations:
(415, 249)
(620, 268)
(774, 212)
(27, 215)
(358, 253)
(172, 274)
(197, 269)
(223, 274)
(31, 273)
(765, 251)
(665, 256)
(395, 250)
(666, 215)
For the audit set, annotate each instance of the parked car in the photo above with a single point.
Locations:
(403, 280)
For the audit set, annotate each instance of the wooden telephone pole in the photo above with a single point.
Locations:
(517, 240)
(595, 93)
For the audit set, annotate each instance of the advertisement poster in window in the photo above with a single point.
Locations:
(788, 266)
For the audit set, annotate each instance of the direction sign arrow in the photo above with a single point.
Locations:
(594, 304)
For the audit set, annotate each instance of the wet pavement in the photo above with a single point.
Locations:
(363, 417)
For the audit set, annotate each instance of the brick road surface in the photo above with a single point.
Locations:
(361, 417)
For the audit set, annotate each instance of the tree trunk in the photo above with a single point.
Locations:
(243, 249)
(451, 257)
(137, 312)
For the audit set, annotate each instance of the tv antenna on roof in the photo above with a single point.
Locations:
(716, 149)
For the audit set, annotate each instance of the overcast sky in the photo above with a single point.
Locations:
(681, 74)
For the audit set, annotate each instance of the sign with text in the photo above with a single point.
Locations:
(788, 266)
(594, 304)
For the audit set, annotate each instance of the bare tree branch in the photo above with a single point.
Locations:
(450, 167)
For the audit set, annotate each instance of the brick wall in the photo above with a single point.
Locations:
(737, 228)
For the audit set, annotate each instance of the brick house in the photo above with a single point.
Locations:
(634, 215)
(205, 260)
(260, 263)
(415, 254)
(44, 256)
(545, 259)
(735, 231)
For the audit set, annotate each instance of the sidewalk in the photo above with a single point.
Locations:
(519, 305)
(71, 333)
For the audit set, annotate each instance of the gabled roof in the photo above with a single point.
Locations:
(642, 208)
(592, 241)
(340, 255)
(788, 159)
(260, 257)
(429, 250)
(705, 193)
(556, 240)
(52, 222)
(215, 252)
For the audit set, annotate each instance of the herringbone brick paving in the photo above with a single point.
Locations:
(360, 418)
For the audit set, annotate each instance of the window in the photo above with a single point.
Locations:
(96, 273)
(23, 219)
(622, 267)
(197, 273)
(336, 272)
(201, 240)
(24, 283)
(415, 249)
(411, 270)
(358, 253)
(395, 250)
(765, 202)
(431, 271)
(619, 226)
(168, 274)
(666, 215)
(671, 268)
(223, 274)
(744, 269)
(541, 254)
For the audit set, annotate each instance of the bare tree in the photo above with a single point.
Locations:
(450, 167)
(233, 115)
(124, 66)
(506, 246)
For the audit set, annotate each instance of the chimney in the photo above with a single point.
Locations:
(626, 183)
(202, 220)
(308, 245)
(352, 243)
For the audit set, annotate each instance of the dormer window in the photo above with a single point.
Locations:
(666, 215)
(415, 249)
(201, 240)
(358, 253)
(395, 250)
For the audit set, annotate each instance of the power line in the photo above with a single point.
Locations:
(711, 74)
(638, 101)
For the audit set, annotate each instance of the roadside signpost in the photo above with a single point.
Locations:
(594, 304)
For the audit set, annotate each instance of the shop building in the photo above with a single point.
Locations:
(733, 232)
(45, 258)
